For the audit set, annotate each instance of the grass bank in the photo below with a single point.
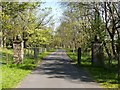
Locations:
(107, 78)
(12, 74)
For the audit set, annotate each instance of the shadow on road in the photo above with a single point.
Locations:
(58, 65)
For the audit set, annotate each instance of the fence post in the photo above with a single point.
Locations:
(35, 53)
(28, 52)
(7, 57)
(79, 56)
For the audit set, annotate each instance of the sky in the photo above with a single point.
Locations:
(57, 10)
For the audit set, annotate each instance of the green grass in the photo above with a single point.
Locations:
(12, 74)
(6, 53)
(107, 78)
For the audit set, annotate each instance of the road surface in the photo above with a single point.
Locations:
(57, 71)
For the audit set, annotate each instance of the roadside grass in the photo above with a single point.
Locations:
(107, 78)
(12, 74)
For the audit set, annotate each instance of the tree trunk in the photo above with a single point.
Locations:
(7, 57)
(113, 47)
(4, 39)
(108, 53)
(35, 53)
(1, 41)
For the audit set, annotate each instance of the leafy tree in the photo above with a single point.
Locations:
(40, 37)
(13, 18)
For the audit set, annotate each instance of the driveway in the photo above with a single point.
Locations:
(58, 71)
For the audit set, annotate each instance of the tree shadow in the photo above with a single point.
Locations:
(23, 66)
(62, 68)
(102, 74)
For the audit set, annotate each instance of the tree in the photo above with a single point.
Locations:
(86, 20)
(15, 22)
(12, 12)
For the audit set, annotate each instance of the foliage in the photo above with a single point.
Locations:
(80, 23)
(83, 21)
(12, 13)
(24, 20)
(40, 37)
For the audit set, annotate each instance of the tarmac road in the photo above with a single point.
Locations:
(57, 71)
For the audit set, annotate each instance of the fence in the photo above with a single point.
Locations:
(33, 52)
(7, 55)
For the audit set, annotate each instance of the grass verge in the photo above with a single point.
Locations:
(107, 78)
(12, 74)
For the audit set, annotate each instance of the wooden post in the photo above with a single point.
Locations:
(35, 53)
(31, 49)
(79, 56)
(7, 57)
(28, 51)
(45, 49)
